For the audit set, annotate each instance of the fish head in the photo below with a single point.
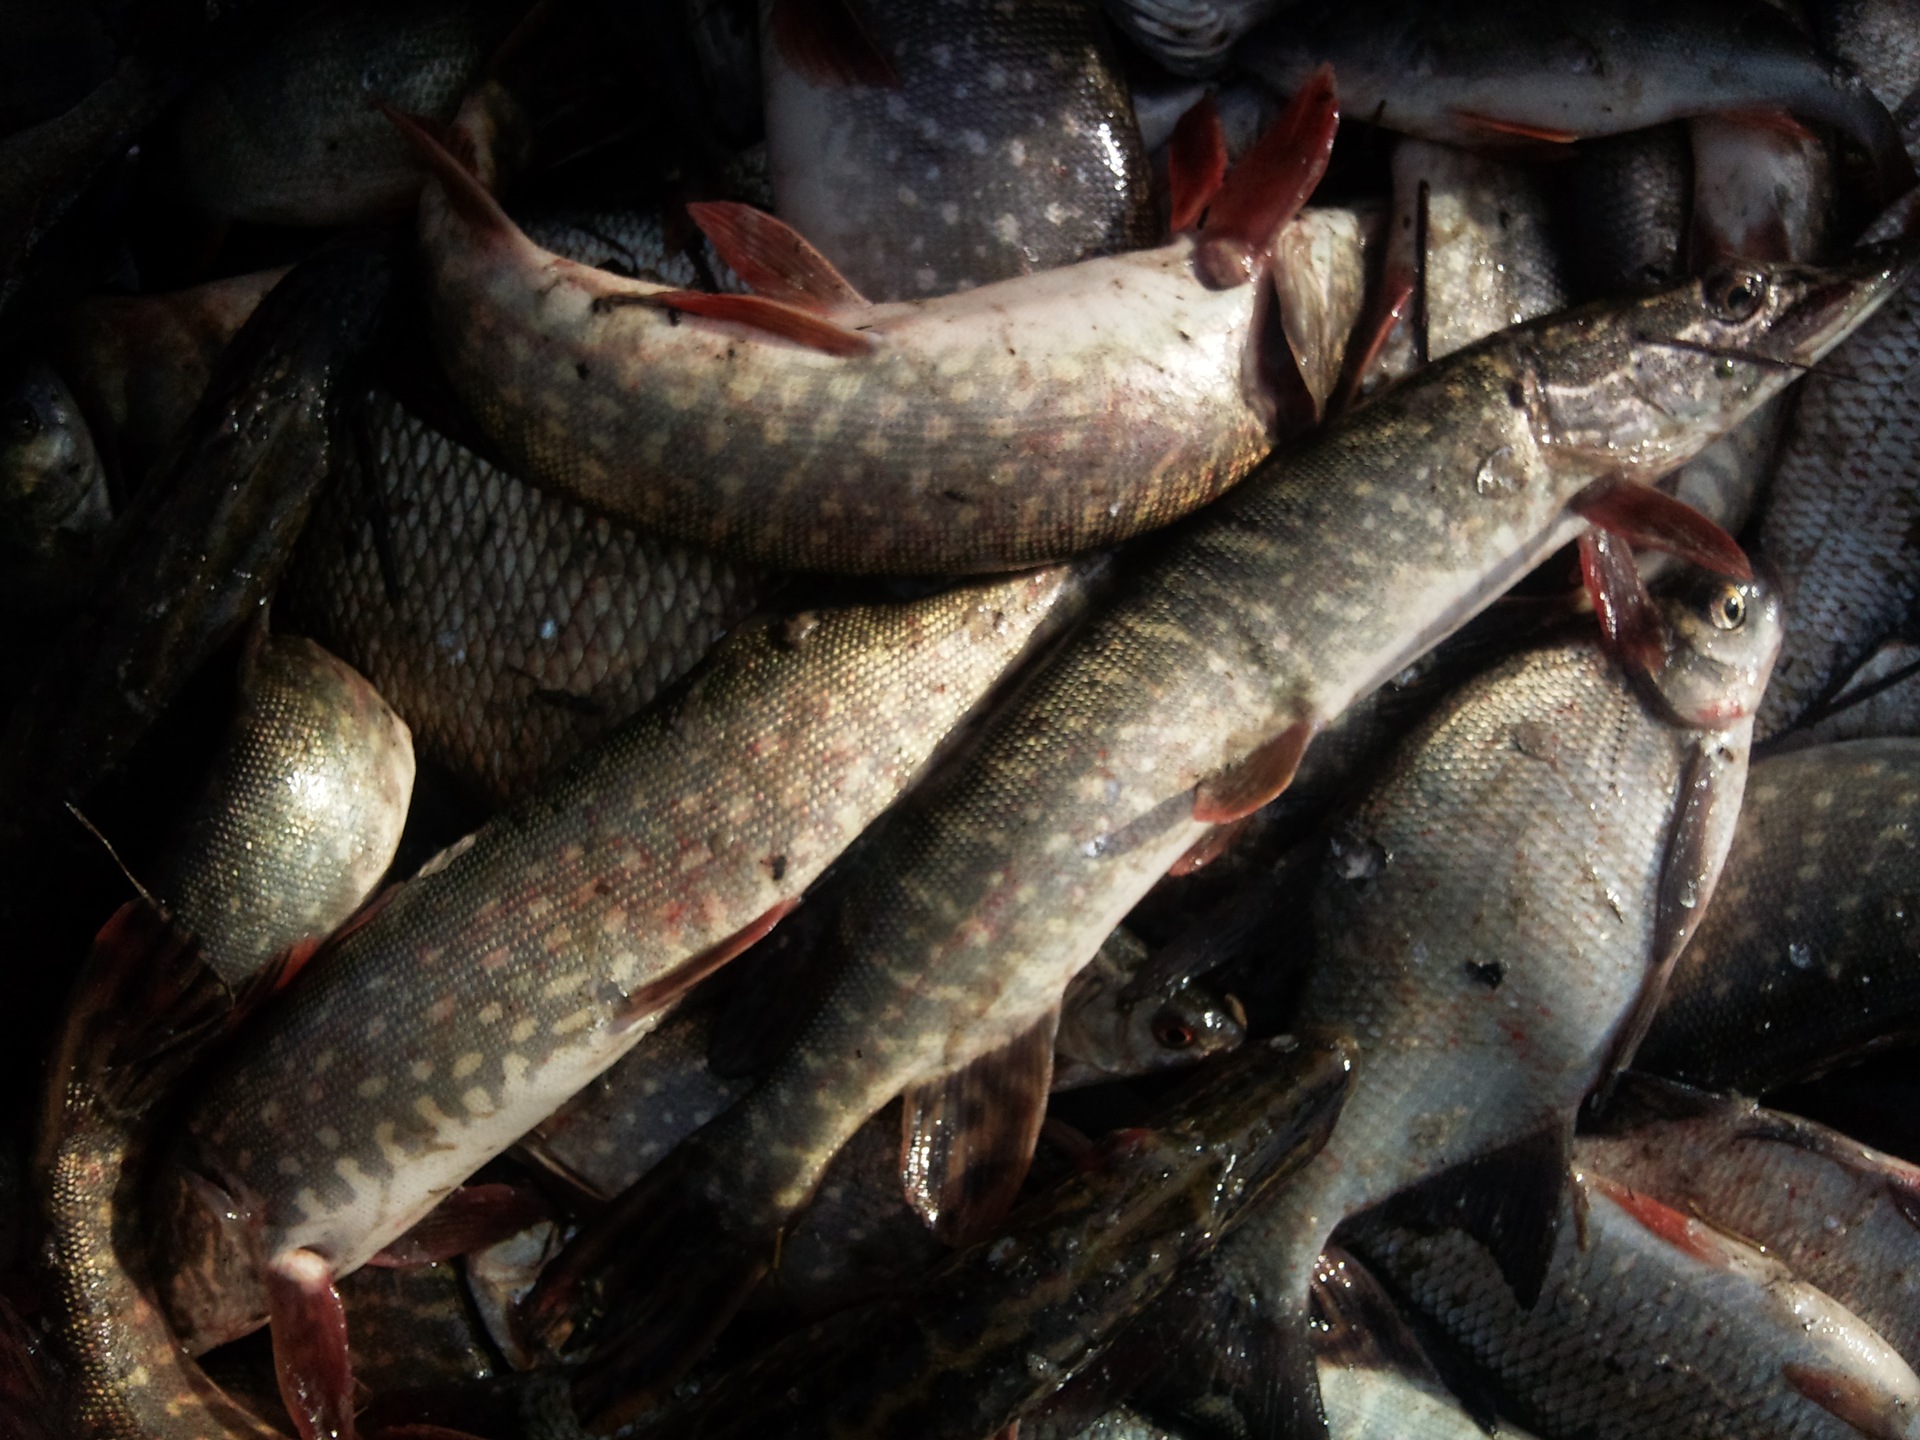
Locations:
(1636, 389)
(1722, 637)
(51, 478)
(1184, 1028)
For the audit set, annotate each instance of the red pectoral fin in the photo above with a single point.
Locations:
(1208, 848)
(310, 1346)
(1643, 516)
(1630, 626)
(1494, 126)
(1270, 184)
(1243, 788)
(1682, 1232)
(774, 258)
(828, 44)
(1851, 1399)
(1196, 163)
(770, 317)
(470, 1218)
(670, 987)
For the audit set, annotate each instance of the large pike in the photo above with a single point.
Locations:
(1185, 703)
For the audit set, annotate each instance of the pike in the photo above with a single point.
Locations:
(803, 427)
(1184, 704)
(523, 961)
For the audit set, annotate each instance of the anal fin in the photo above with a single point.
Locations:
(774, 258)
(755, 312)
(1642, 515)
(648, 999)
(1209, 847)
(1249, 783)
(310, 1354)
(1196, 163)
(967, 1139)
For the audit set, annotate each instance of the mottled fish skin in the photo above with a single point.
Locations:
(1842, 519)
(1254, 617)
(127, 1377)
(1008, 146)
(997, 1327)
(1597, 1356)
(301, 815)
(1189, 37)
(1002, 426)
(1839, 1215)
(1474, 71)
(288, 135)
(415, 1326)
(400, 572)
(1808, 953)
(519, 965)
(1631, 197)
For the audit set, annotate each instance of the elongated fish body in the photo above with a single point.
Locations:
(301, 816)
(1483, 71)
(1654, 1325)
(126, 1375)
(1842, 518)
(1808, 956)
(1838, 1215)
(400, 572)
(1007, 145)
(289, 136)
(1009, 424)
(995, 1328)
(1630, 199)
(1880, 701)
(1320, 577)
(524, 962)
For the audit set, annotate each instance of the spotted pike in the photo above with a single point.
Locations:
(1809, 956)
(302, 813)
(399, 572)
(527, 959)
(806, 428)
(1187, 702)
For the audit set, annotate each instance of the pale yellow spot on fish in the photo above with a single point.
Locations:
(289, 1165)
(522, 1031)
(514, 1067)
(323, 1062)
(614, 922)
(441, 1010)
(371, 1087)
(495, 959)
(328, 1136)
(429, 1110)
(467, 1064)
(578, 1020)
(420, 1069)
(491, 1012)
(560, 988)
(478, 1101)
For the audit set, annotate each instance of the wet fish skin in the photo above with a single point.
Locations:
(1485, 68)
(399, 572)
(1781, 981)
(1840, 1216)
(1631, 200)
(1597, 1355)
(1079, 797)
(996, 1328)
(1879, 38)
(301, 815)
(519, 965)
(1007, 146)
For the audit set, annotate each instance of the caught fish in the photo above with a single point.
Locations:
(1110, 1031)
(1838, 1215)
(995, 1328)
(301, 816)
(806, 428)
(1631, 200)
(400, 569)
(1808, 956)
(523, 962)
(54, 503)
(1480, 72)
(1765, 1353)
(1186, 703)
(953, 145)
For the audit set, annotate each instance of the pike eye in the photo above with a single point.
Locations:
(1737, 294)
(1728, 610)
(1172, 1033)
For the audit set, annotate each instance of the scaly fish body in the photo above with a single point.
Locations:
(519, 965)
(1880, 700)
(1631, 197)
(399, 571)
(301, 816)
(1783, 979)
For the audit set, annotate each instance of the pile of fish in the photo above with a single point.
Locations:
(1092, 719)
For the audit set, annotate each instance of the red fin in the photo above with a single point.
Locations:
(1517, 129)
(1682, 1232)
(1269, 185)
(1778, 121)
(310, 1346)
(774, 258)
(1209, 847)
(827, 43)
(771, 317)
(470, 1218)
(1397, 284)
(1850, 1399)
(1196, 163)
(1630, 626)
(967, 1139)
(1244, 787)
(1643, 516)
(670, 987)
(466, 194)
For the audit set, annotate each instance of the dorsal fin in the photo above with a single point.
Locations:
(774, 258)
(1269, 185)
(1196, 163)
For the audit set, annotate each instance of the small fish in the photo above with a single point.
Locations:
(1652, 1326)
(1109, 1031)
(953, 145)
(1808, 956)
(300, 817)
(53, 488)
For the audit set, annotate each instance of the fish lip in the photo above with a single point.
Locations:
(1838, 299)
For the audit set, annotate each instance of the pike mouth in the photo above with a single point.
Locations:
(1834, 306)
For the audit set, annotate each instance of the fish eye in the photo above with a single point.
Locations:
(1172, 1033)
(1728, 611)
(1737, 294)
(18, 421)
